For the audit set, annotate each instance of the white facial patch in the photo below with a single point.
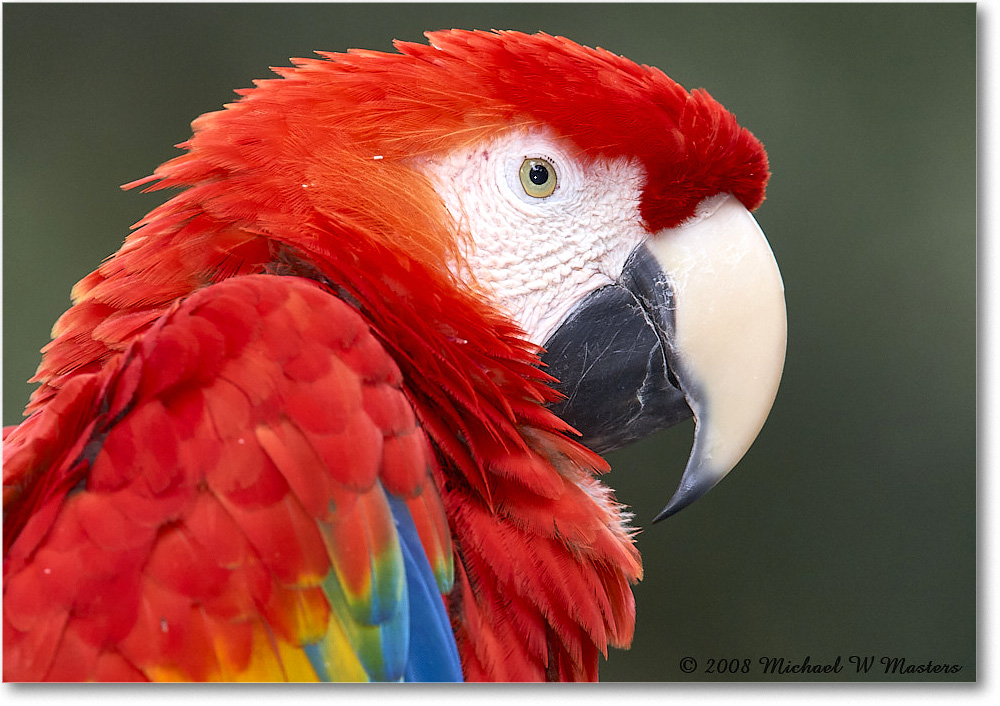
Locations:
(538, 257)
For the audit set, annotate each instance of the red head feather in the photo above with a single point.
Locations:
(690, 146)
(327, 119)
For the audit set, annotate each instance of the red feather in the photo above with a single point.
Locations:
(209, 438)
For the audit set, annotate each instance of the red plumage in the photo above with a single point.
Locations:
(209, 437)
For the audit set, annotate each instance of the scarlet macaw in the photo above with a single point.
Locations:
(303, 425)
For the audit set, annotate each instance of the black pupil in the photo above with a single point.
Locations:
(538, 174)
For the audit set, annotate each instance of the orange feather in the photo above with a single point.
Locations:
(234, 427)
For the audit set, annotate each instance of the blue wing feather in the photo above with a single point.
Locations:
(433, 654)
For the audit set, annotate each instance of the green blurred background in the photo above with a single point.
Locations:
(850, 526)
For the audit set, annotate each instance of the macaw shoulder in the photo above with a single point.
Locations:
(249, 488)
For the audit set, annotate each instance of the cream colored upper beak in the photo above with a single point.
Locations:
(728, 347)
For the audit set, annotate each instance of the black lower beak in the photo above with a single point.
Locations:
(695, 325)
(610, 357)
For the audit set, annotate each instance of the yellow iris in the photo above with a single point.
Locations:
(538, 177)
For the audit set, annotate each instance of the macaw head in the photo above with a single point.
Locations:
(611, 220)
(592, 202)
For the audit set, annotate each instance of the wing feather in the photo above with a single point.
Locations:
(244, 493)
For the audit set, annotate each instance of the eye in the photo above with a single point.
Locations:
(538, 177)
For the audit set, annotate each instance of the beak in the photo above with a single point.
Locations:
(695, 326)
